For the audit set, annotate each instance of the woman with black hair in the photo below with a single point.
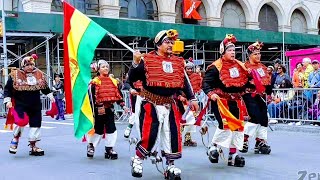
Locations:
(104, 92)
(281, 76)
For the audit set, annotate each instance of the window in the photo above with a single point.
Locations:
(268, 18)
(139, 9)
(17, 5)
(233, 15)
(298, 22)
(90, 7)
(56, 6)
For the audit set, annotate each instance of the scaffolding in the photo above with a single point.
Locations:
(20, 41)
(120, 58)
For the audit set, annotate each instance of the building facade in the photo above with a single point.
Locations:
(281, 24)
(300, 16)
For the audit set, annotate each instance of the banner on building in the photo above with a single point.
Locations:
(190, 9)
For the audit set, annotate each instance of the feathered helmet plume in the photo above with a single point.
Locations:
(29, 60)
(228, 42)
(257, 46)
(171, 34)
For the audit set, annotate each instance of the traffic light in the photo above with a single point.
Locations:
(1, 29)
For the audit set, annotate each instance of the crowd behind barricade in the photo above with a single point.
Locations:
(295, 100)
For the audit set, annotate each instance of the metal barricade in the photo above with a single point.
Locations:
(45, 104)
(3, 109)
(120, 114)
(294, 105)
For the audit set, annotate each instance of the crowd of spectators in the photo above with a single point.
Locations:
(295, 97)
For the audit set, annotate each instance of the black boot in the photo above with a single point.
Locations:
(262, 147)
(172, 172)
(110, 153)
(213, 154)
(35, 151)
(236, 160)
(245, 147)
(90, 150)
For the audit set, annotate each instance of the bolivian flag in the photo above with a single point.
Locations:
(81, 37)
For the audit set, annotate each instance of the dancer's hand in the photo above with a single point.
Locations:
(126, 110)
(9, 104)
(52, 99)
(249, 70)
(182, 99)
(137, 57)
(133, 92)
(50, 96)
(214, 97)
(194, 106)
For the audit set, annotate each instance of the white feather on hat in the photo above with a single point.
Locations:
(160, 36)
(101, 62)
(190, 65)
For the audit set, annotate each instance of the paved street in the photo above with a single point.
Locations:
(65, 158)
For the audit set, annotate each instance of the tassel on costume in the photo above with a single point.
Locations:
(10, 119)
(258, 83)
(229, 121)
(104, 133)
(84, 139)
(201, 114)
(53, 111)
(20, 121)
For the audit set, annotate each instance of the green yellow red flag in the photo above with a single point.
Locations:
(81, 37)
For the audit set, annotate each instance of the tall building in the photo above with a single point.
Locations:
(202, 24)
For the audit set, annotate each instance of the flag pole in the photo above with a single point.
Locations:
(119, 41)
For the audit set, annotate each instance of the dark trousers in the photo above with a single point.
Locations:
(151, 129)
(105, 122)
(33, 112)
(257, 109)
(59, 103)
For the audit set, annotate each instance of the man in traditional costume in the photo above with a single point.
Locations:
(104, 92)
(162, 75)
(22, 96)
(257, 126)
(224, 82)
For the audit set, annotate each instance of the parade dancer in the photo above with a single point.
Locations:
(135, 100)
(257, 126)
(104, 92)
(196, 83)
(224, 83)
(22, 94)
(162, 76)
